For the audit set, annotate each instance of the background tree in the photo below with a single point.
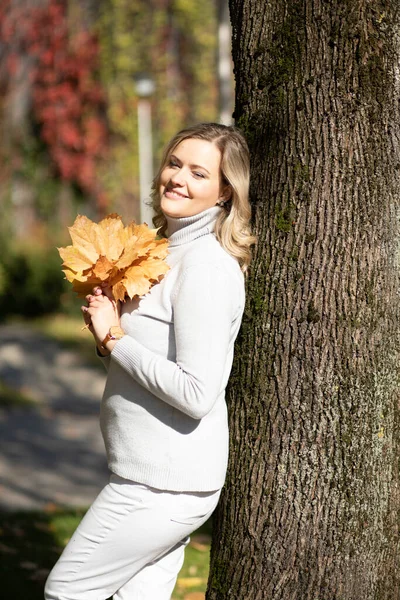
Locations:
(68, 103)
(68, 114)
(311, 505)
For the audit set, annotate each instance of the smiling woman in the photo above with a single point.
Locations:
(168, 355)
(191, 182)
(226, 157)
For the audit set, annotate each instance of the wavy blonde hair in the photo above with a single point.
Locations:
(232, 228)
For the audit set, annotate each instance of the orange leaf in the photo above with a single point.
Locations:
(103, 268)
(119, 291)
(143, 233)
(136, 281)
(129, 254)
(111, 236)
(160, 250)
(84, 238)
(155, 268)
(74, 259)
(128, 259)
(83, 288)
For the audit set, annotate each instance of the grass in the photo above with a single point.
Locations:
(68, 331)
(28, 548)
(31, 542)
(9, 397)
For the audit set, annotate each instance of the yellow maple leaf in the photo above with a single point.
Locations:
(85, 237)
(104, 268)
(129, 259)
(136, 283)
(75, 260)
(111, 236)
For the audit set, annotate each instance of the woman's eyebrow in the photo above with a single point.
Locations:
(174, 157)
(200, 167)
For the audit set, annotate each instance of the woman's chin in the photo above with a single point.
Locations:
(173, 208)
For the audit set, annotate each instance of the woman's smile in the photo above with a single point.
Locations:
(174, 194)
(190, 181)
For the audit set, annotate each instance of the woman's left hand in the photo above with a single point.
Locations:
(104, 312)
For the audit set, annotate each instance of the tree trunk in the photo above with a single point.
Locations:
(311, 506)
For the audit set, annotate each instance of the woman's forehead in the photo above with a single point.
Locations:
(198, 152)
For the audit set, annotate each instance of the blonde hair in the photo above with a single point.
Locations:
(232, 228)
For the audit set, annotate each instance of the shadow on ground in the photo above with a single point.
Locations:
(52, 453)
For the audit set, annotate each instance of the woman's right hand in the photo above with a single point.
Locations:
(100, 294)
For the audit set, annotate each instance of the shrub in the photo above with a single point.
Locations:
(32, 282)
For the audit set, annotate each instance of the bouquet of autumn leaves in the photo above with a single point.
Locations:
(127, 259)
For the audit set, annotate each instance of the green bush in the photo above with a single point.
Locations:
(31, 281)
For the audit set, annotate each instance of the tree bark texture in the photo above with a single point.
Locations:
(311, 506)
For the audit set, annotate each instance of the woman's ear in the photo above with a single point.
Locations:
(226, 193)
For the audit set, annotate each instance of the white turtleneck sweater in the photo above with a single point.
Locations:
(163, 413)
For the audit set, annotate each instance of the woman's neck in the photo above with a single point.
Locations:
(182, 230)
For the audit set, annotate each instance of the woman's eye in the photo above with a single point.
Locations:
(197, 174)
(172, 163)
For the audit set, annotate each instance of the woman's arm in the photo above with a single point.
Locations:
(101, 313)
(205, 305)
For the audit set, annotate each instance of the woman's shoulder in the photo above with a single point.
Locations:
(208, 257)
(208, 251)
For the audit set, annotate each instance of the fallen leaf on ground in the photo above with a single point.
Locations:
(50, 507)
(200, 547)
(187, 582)
(202, 538)
(28, 565)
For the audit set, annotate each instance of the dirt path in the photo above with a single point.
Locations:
(52, 453)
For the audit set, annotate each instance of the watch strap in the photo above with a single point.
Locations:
(114, 333)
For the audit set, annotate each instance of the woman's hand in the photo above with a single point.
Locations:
(101, 313)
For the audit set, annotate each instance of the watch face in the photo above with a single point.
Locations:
(116, 332)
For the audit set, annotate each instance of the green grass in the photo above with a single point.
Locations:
(68, 331)
(31, 542)
(65, 330)
(29, 546)
(9, 397)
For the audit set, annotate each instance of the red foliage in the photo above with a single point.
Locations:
(68, 100)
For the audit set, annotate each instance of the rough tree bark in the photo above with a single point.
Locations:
(311, 506)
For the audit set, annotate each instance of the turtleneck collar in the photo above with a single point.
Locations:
(182, 230)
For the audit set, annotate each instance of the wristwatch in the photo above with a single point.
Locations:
(115, 333)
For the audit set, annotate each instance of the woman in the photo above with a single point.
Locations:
(168, 356)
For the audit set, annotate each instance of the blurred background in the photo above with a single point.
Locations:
(90, 92)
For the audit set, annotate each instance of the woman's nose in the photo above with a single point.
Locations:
(178, 177)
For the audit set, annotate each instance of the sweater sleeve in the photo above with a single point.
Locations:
(104, 359)
(205, 305)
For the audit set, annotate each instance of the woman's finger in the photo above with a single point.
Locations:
(96, 302)
(107, 291)
(86, 316)
(89, 312)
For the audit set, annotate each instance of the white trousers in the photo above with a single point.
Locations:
(130, 544)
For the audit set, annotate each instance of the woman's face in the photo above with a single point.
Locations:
(190, 181)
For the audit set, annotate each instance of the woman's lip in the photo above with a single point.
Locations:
(172, 194)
